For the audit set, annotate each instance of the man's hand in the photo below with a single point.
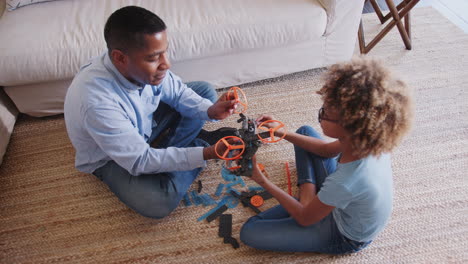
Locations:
(223, 108)
(210, 152)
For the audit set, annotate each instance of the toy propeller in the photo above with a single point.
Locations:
(233, 151)
(241, 99)
(269, 136)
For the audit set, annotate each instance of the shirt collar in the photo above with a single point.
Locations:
(120, 78)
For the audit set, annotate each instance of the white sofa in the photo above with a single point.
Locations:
(223, 42)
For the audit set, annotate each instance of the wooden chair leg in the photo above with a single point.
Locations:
(362, 42)
(397, 15)
(377, 10)
(408, 22)
(399, 24)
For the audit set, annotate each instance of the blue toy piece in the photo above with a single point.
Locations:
(207, 200)
(219, 190)
(228, 200)
(203, 217)
(234, 190)
(187, 201)
(195, 198)
(238, 180)
(241, 181)
(228, 189)
(256, 188)
(228, 175)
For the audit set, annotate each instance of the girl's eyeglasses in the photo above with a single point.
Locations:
(321, 116)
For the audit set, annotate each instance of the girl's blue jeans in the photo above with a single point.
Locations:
(276, 230)
(157, 195)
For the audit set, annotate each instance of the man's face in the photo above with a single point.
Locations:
(149, 64)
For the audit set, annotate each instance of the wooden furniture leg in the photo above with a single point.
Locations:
(398, 12)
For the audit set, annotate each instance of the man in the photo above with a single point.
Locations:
(126, 98)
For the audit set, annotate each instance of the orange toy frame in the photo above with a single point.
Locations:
(271, 131)
(234, 92)
(230, 147)
(248, 140)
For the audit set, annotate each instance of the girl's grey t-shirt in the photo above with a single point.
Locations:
(362, 192)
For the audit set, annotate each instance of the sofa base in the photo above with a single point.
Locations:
(8, 115)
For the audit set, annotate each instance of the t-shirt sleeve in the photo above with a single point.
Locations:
(334, 193)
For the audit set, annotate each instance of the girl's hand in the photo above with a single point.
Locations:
(264, 118)
(257, 174)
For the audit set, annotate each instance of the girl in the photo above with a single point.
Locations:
(344, 202)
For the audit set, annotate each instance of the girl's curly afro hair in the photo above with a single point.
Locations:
(373, 106)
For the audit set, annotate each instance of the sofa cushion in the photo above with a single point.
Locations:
(50, 41)
(15, 4)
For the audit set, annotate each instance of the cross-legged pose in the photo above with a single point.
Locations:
(345, 186)
(127, 98)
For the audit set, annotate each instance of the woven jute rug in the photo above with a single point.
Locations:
(51, 213)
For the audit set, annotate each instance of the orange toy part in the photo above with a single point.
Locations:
(262, 169)
(242, 99)
(272, 131)
(288, 177)
(228, 164)
(256, 200)
(230, 148)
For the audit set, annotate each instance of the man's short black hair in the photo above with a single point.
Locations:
(125, 28)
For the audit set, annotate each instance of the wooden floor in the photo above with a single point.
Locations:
(455, 10)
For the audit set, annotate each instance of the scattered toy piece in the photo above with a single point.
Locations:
(187, 201)
(199, 186)
(228, 175)
(256, 200)
(219, 190)
(232, 241)
(288, 175)
(241, 181)
(238, 180)
(195, 198)
(216, 213)
(265, 195)
(262, 169)
(251, 206)
(209, 212)
(256, 188)
(227, 201)
(230, 201)
(225, 225)
(245, 200)
(207, 200)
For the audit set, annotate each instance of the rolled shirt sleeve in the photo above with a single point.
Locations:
(115, 134)
(183, 99)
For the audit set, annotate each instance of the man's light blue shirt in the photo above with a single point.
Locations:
(109, 118)
(362, 192)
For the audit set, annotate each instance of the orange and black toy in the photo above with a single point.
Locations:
(242, 146)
